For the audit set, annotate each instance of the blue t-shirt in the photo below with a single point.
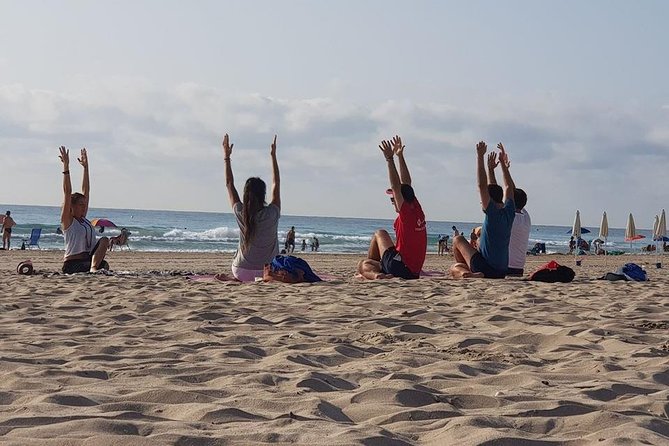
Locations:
(496, 233)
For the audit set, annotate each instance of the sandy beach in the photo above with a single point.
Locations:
(149, 357)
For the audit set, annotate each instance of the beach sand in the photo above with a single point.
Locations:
(141, 358)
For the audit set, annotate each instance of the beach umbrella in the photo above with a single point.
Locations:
(660, 235)
(630, 231)
(102, 223)
(604, 232)
(576, 227)
(660, 229)
(604, 227)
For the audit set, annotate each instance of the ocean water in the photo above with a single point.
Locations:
(217, 232)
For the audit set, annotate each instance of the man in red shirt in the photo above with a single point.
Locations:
(405, 258)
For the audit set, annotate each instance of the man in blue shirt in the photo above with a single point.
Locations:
(491, 260)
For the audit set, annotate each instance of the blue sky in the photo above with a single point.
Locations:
(577, 91)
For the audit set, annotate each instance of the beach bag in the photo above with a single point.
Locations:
(292, 265)
(553, 272)
(633, 272)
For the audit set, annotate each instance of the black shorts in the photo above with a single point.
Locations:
(391, 263)
(8, 230)
(479, 265)
(515, 272)
(83, 265)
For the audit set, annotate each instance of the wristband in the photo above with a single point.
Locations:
(66, 172)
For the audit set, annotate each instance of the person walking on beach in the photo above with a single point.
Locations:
(304, 245)
(404, 258)
(491, 260)
(82, 252)
(7, 224)
(258, 222)
(522, 224)
(290, 240)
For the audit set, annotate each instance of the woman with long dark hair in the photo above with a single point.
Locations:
(83, 253)
(258, 222)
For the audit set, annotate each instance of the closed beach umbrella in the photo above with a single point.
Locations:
(660, 235)
(661, 229)
(576, 229)
(604, 227)
(655, 223)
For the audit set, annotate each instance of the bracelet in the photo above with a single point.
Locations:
(66, 172)
(226, 159)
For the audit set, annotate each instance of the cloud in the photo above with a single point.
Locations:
(159, 147)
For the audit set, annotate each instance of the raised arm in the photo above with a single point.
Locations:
(398, 148)
(229, 179)
(482, 180)
(65, 213)
(509, 185)
(276, 180)
(85, 182)
(393, 176)
(492, 163)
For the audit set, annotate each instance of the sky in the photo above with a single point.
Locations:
(577, 92)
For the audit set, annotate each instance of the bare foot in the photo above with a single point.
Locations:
(471, 275)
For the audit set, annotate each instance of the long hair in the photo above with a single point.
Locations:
(253, 202)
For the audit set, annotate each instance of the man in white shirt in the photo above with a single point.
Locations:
(522, 224)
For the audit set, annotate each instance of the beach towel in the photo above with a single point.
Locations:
(633, 272)
(553, 272)
(294, 266)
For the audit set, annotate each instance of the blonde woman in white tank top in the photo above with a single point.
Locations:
(82, 252)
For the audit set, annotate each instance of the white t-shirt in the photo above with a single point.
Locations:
(265, 243)
(520, 235)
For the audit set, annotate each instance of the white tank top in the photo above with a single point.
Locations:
(79, 237)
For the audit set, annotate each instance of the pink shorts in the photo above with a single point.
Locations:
(246, 275)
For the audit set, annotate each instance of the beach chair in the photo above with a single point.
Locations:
(120, 240)
(33, 240)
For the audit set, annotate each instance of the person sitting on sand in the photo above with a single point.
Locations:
(7, 224)
(491, 260)
(522, 224)
(404, 259)
(258, 222)
(82, 252)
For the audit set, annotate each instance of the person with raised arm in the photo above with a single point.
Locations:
(491, 260)
(404, 258)
(258, 222)
(83, 253)
(522, 224)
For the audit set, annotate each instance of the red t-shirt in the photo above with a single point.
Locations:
(411, 235)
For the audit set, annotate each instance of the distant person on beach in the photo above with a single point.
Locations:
(491, 260)
(315, 244)
(404, 258)
(82, 252)
(442, 245)
(572, 244)
(455, 232)
(7, 224)
(522, 224)
(304, 245)
(258, 222)
(290, 240)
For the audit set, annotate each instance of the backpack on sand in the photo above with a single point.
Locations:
(553, 272)
(292, 265)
